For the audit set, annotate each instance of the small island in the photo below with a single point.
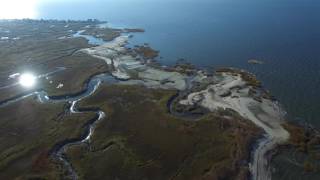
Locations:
(255, 61)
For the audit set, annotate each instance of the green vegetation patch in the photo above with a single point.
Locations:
(140, 139)
(28, 131)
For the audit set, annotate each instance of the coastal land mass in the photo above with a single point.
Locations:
(103, 110)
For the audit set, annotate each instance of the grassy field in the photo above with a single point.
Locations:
(44, 47)
(140, 140)
(28, 131)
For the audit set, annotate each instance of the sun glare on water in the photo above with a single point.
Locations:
(18, 9)
(27, 80)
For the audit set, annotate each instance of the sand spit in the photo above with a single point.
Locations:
(231, 92)
(127, 67)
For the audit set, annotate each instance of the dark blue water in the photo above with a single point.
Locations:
(285, 34)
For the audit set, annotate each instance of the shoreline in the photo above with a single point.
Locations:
(259, 167)
(198, 93)
(270, 142)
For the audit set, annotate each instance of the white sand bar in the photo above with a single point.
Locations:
(267, 115)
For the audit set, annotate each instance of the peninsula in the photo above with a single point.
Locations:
(100, 109)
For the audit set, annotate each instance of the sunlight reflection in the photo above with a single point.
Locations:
(27, 80)
(18, 9)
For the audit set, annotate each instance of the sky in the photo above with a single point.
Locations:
(17, 9)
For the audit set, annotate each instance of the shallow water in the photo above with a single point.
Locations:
(290, 165)
(91, 40)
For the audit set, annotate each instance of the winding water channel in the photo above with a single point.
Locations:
(58, 151)
(259, 162)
